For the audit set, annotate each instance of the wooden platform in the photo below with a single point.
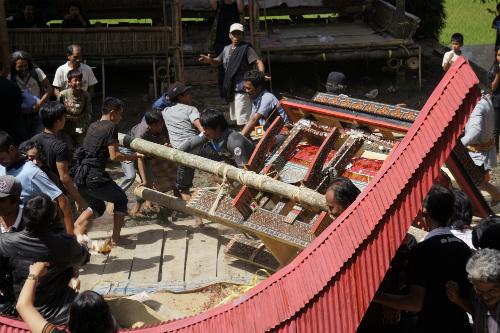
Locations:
(174, 256)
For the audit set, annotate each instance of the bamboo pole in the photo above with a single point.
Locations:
(262, 183)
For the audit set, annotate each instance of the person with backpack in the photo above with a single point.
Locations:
(35, 87)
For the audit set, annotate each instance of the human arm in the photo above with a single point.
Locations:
(474, 126)
(48, 92)
(62, 170)
(447, 60)
(116, 155)
(192, 143)
(198, 126)
(241, 6)
(206, 59)
(65, 207)
(59, 82)
(453, 293)
(260, 65)
(496, 81)
(25, 303)
(141, 168)
(254, 119)
(413, 301)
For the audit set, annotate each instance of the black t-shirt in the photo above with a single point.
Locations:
(56, 150)
(432, 263)
(11, 97)
(100, 135)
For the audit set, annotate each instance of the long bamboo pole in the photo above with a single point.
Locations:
(262, 183)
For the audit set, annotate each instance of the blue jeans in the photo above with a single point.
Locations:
(130, 171)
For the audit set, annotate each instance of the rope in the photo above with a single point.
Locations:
(237, 291)
(221, 191)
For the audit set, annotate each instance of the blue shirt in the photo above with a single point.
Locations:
(161, 103)
(33, 181)
(264, 104)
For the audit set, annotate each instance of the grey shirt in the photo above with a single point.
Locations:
(179, 119)
(264, 104)
(480, 130)
(245, 66)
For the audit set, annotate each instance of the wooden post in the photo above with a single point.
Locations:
(103, 83)
(306, 196)
(4, 40)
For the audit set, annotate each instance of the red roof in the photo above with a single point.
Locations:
(329, 286)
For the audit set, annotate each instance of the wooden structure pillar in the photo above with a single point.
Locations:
(4, 39)
(254, 21)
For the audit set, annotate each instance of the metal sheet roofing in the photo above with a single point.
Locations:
(328, 287)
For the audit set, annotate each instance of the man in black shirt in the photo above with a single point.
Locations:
(94, 183)
(440, 257)
(12, 120)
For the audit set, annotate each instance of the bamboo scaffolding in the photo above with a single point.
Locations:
(303, 195)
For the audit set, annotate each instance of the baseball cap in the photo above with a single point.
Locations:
(176, 89)
(236, 26)
(9, 185)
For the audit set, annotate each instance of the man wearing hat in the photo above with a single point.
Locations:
(237, 58)
(183, 125)
(10, 211)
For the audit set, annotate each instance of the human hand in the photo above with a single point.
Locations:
(453, 291)
(37, 106)
(204, 58)
(39, 268)
(139, 155)
(75, 284)
(267, 77)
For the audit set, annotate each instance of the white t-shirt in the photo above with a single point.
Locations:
(447, 55)
(29, 83)
(61, 77)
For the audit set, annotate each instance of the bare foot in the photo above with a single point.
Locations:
(199, 222)
(122, 241)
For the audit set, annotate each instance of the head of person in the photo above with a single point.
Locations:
(74, 8)
(21, 63)
(89, 313)
(486, 235)
(33, 151)
(438, 207)
(155, 123)
(29, 11)
(336, 82)
(457, 41)
(9, 154)
(483, 270)
(178, 92)
(340, 194)
(40, 213)
(236, 31)
(53, 115)
(75, 77)
(254, 82)
(462, 217)
(112, 108)
(10, 195)
(214, 123)
(74, 55)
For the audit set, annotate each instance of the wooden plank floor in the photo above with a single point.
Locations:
(178, 254)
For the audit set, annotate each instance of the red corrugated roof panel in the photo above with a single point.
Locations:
(312, 294)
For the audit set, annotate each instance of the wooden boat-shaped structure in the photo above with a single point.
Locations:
(328, 286)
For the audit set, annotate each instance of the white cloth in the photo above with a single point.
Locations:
(29, 83)
(447, 56)
(61, 77)
(437, 232)
(240, 109)
(465, 235)
(480, 129)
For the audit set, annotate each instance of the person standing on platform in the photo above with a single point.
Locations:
(237, 58)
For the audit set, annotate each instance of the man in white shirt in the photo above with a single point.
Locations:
(74, 54)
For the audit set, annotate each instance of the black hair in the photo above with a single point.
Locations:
(27, 145)
(213, 118)
(39, 212)
(256, 77)
(152, 117)
(89, 313)
(76, 4)
(6, 141)
(51, 112)
(111, 103)
(344, 191)
(74, 73)
(462, 215)
(70, 48)
(15, 56)
(440, 204)
(486, 235)
(457, 37)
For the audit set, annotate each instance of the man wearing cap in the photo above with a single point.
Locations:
(183, 125)
(237, 58)
(10, 211)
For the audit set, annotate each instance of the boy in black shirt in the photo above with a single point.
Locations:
(94, 183)
(440, 257)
